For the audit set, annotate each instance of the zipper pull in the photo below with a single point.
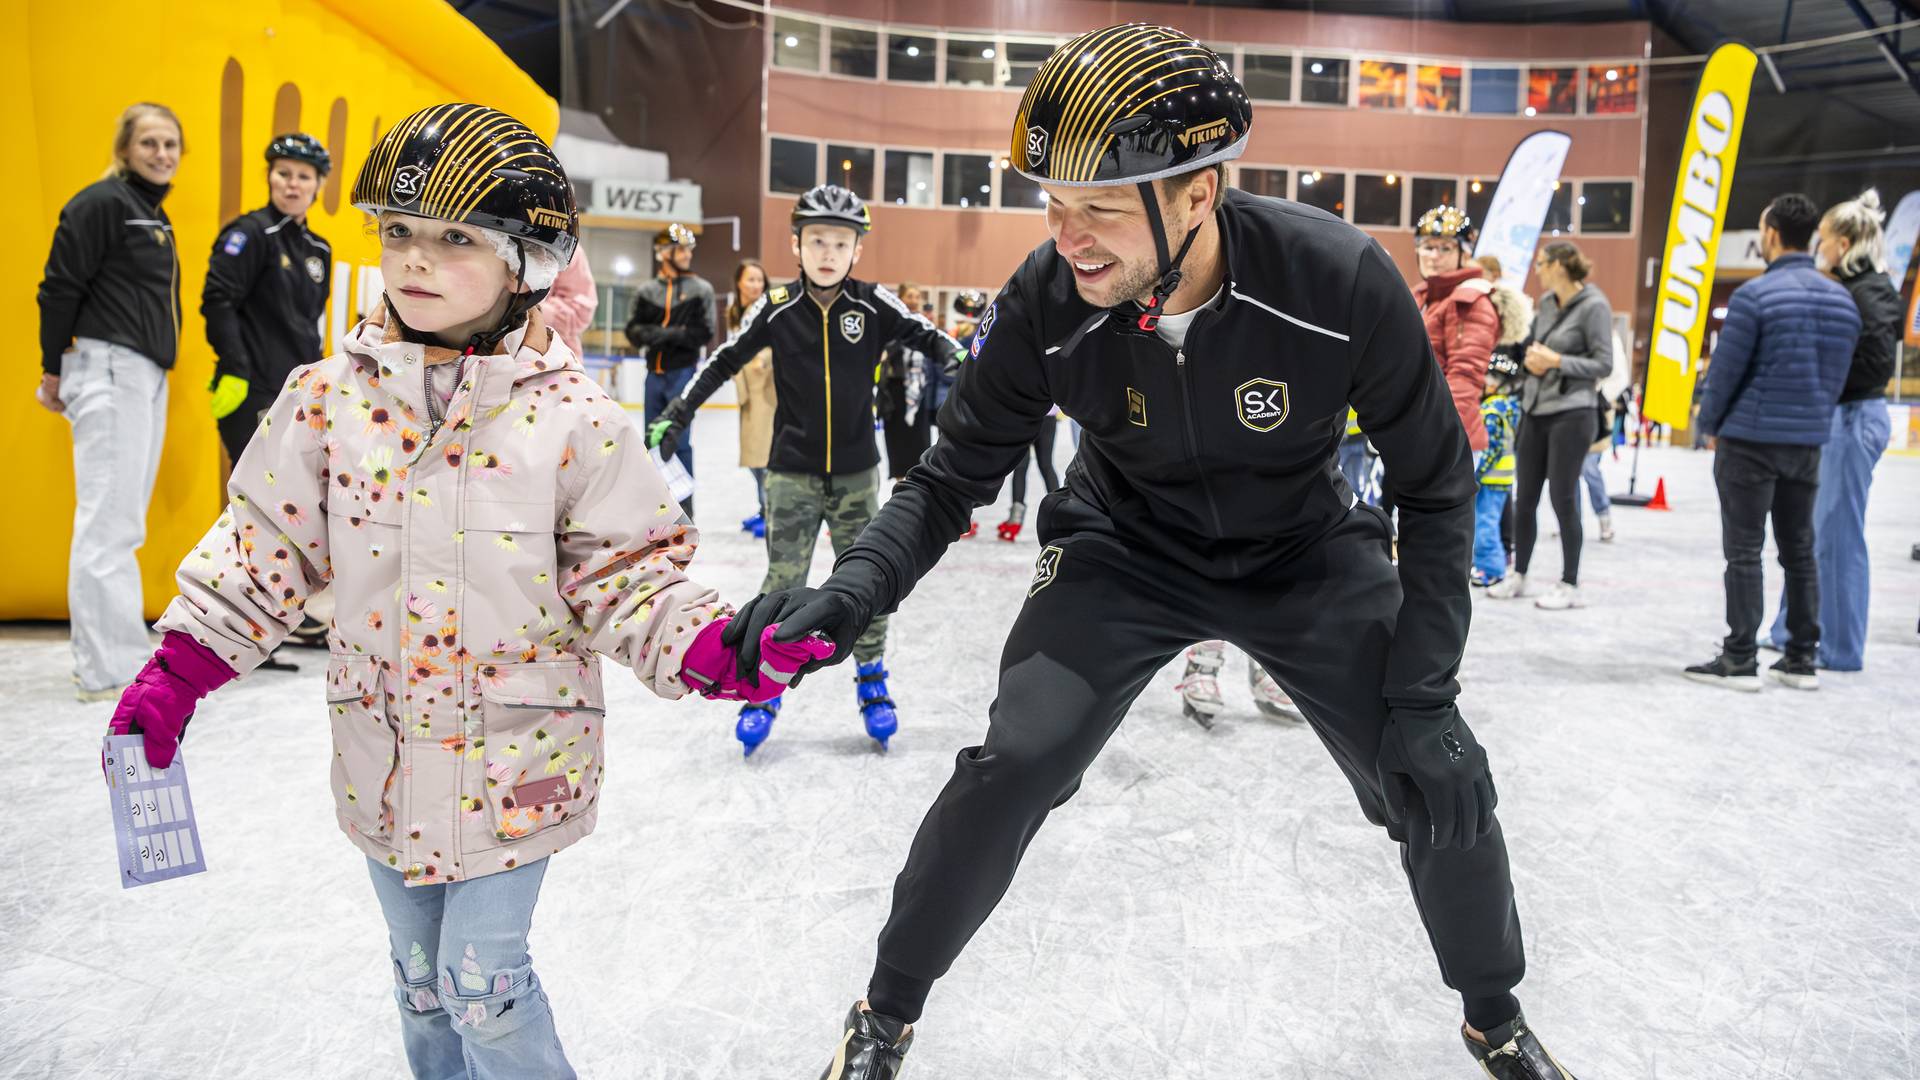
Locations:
(1180, 357)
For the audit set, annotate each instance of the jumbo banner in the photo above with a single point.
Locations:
(236, 73)
(1519, 207)
(1693, 232)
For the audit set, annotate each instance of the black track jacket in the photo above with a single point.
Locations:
(1220, 455)
(267, 286)
(825, 364)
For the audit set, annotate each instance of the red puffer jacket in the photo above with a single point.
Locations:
(1463, 327)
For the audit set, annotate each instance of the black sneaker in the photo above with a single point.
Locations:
(1511, 1052)
(1798, 674)
(1721, 671)
(872, 1048)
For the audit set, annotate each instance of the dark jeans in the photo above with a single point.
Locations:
(1756, 480)
(1100, 619)
(663, 387)
(1550, 452)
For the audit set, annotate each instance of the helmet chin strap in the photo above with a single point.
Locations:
(1156, 304)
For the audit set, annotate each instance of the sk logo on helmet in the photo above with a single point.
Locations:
(1262, 403)
(1036, 146)
(853, 326)
(406, 184)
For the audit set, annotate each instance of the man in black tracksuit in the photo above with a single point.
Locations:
(1205, 502)
(267, 286)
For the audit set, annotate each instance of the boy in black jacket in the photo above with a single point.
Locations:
(827, 331)
(673, 319)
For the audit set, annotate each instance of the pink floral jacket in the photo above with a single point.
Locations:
(476, 574)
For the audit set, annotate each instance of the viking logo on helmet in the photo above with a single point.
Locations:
(540, 215)
(406, 184)
(1204, 132)
(1036, 146)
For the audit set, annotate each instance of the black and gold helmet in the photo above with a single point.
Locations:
(477, 166)
(674, 235)
(970, 304)
(1447, 222)
(1128, 104)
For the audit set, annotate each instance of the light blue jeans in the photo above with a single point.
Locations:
(1859, 437)
(1596, 485)
(470, 1004)
(116, 400)
(1489, 554)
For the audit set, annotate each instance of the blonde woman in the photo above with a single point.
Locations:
(109, 330)
(754, 385)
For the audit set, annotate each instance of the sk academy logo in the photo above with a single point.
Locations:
(1045, 568)
(1261, 403)
(853, 326)
(986, 327)
(1036, 146)
(316, 269)
(406, 184)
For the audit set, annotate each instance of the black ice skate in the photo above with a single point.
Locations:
(872, 1048)
(1511, 1052)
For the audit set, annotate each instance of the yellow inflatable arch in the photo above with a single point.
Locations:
(236, 73)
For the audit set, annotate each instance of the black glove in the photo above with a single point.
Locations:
(665, 432)
(838, 616)
(1434, 775)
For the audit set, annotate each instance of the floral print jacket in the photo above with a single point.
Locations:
(477, 572)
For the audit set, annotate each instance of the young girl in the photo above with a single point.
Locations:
(489, 521)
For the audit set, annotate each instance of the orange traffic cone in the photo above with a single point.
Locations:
(1659, 496)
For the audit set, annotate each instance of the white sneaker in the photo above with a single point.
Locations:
(1508, 587)
(1606, 528)
(1561, 597)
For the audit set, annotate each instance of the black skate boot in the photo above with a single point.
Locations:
(1511, 1052)
(872, 1048)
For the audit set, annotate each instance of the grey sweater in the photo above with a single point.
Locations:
(1584, 340)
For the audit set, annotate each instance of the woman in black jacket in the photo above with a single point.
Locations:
(1853, 247)
(109, 331)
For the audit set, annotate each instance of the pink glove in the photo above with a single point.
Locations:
(161, 699)
(710, 667)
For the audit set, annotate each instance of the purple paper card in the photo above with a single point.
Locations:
(152, 814)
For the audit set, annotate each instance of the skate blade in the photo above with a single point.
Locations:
(1205, 720)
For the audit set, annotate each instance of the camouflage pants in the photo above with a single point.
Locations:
(797, 504)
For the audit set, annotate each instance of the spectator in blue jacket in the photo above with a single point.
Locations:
(1777, 370)
(1852, 245)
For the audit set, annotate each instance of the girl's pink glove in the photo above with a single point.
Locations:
(161, 699)
(710, 667)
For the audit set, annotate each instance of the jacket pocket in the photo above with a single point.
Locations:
(366, 745)
(543, 745)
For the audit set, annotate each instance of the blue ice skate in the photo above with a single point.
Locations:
(755, 724)
(876, 705)
(757, 525)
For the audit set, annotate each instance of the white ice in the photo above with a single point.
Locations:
(1712, 885)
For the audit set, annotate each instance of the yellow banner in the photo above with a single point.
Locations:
(1693, 232)
(236, 72)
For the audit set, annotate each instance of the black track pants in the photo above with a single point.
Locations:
(1099, 621)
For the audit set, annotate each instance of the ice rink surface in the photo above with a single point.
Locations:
(1713, 885)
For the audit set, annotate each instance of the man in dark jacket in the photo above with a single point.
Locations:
(1783, 354)
(1210, 342)
(673, 320)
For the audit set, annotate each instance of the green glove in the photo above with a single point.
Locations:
(665, 432)
(229, 391)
